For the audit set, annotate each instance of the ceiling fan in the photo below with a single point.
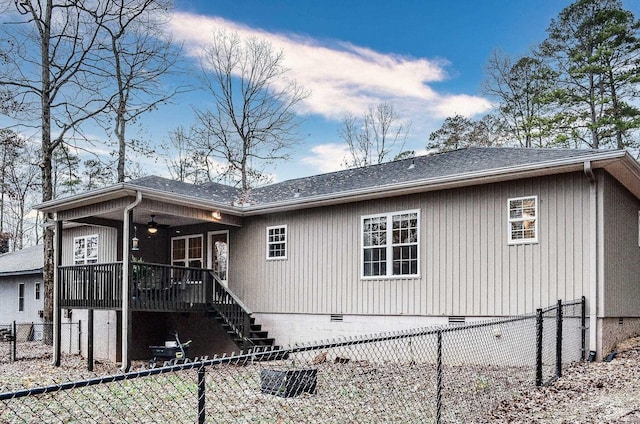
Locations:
(153, 226)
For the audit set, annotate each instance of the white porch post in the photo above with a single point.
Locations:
(57, 323)
(126, 284)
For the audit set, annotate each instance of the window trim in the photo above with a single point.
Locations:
(21, 289)
(187, 259)
(536, 219)
(285, 242)
(389, 246)
(37, 290)
(85, 258)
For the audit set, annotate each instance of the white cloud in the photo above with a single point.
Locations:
(344, 78)
(327, 157)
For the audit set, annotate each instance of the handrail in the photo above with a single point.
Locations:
(238, 317)
(229, 292)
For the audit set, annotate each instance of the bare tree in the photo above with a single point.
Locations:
(22, 183)
(374, 136)
(519, 87)
(253, 121)
(50, 69)
(10, 147)
(135, 58)
(184, 164)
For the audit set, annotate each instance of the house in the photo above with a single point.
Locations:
(463, 235)
(21, 286)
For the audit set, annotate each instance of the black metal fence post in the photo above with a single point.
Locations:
(583, 327)
(539, 347)
(14, 341)
(559, 340)
(439, 379)
(201, 395)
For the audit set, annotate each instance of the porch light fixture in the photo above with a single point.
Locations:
(216, 215)
(152, 226)
(135, 246)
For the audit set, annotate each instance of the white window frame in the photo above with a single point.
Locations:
(187, 259)
(389, 245)
(522, 219)
(81, 253)
(21, 289)
(271, 242)
(37, 291)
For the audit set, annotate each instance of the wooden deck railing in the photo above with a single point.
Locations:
(154, 287)
(157, 287)
(91, 286)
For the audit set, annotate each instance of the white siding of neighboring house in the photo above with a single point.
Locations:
(9, 299)
(467, 267)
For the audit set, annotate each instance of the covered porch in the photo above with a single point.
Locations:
(139, 249)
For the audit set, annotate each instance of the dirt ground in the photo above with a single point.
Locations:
(596, 392)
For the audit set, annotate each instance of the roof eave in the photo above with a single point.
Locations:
(124, 190)
(440, 183)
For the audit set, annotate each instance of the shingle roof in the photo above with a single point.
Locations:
(209, 191)
(452, 163)
(29, 260)
(457, 162)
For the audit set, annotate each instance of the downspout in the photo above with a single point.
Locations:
(593, 256)
(126, 290)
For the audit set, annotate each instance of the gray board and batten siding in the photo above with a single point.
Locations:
(467, 267)
(621, 255)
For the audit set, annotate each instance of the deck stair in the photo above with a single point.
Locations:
(235, 318)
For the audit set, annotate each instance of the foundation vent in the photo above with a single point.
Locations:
(456, 320)
(337, 318)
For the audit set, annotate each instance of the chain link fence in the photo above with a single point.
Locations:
(21, 341)
(451, 374)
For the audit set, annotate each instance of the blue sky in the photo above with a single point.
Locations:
(424, 57)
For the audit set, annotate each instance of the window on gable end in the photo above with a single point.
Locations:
(523, 220)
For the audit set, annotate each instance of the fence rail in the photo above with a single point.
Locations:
(448, 374)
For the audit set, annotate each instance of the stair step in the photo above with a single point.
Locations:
(262, 341)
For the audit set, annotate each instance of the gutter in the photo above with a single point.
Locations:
(431, 184)
(18, 273)
(593, 257)
(126, 264)
(395, 189)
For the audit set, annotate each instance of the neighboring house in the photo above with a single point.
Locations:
(21, 287)
(464, 235)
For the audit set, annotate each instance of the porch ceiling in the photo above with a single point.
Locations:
(166, 215)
